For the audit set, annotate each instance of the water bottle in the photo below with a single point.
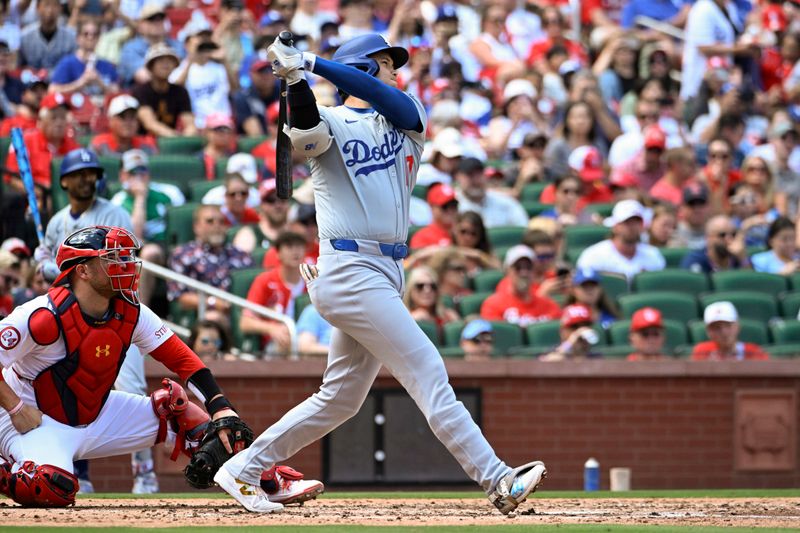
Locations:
(591, 475)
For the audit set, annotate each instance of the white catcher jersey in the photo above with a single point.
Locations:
(366, 175)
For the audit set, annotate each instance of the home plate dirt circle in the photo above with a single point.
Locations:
(742, 512)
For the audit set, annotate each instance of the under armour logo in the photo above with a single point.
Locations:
(98, 351)
(246, 489)
(86, 157)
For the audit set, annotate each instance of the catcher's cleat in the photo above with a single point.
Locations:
(285, 485)
(515, 487)
(252, 497)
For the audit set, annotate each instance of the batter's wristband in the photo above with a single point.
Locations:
(17, 408)
(218, 404)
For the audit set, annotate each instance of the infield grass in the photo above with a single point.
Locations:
(555, 528)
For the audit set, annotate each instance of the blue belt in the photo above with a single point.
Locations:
(395, 251)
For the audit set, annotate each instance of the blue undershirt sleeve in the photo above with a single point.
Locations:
(390, 102)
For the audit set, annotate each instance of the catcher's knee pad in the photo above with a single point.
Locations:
(39, 485)
(187, 420)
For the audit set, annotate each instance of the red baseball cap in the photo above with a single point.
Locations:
(54, 100)
(623, 180)
(576, 314)
(654, 137)
(441, 194)
(267, 187)
(219, 120)
(646, 317)
(774, 18)
(587, 162)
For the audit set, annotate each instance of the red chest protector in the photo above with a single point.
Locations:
(74, 389)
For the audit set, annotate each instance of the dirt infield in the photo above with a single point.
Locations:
(771, 512)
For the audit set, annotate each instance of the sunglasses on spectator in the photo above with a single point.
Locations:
(726, 234)
(579, 325)
(90, 33)
(483, 338)
(242, 194)
(422, 286)
(545, 257)
(647, 116)
(522, 265)
(214, 220)
(450, 206)
(570, 191)
(757, 168)
(549, 21)
(719, 155)
(467, 231)
(651, 332)
(271, 199)
(205, 341)
(159, 17)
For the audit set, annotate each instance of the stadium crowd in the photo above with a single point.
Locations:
(602, 178)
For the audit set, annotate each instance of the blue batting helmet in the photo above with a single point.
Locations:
(356, 52)
(79, 159)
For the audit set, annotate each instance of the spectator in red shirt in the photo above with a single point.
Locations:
(48, 140)
(647, 335)
(220, 141)
(235, 208)
(555, 27)
(123, 125)
(444, 206)
(277, 289)
(722, 327)
(681, 170)
(586, 162)
(720, 174)
(516, 304)
(577, 335)
(28, 110)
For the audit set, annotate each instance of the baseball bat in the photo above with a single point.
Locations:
(283, 150)
(25, 173)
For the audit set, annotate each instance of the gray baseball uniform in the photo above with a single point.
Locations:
(362, 188)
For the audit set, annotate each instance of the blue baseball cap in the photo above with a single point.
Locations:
(583, 275)
(475, 328)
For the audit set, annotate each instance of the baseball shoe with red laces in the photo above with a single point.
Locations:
(285, 485)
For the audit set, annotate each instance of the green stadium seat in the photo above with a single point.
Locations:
(487, 280)
(671, 279)
(584, 235)
(246, 144)
(545, 335)
(420, 191)
(221, 168)
(749, 331)
(603, 210)
(430, 329)
(452, 333)
(534, 209)
(85, 140)
(734, 280)
(300, 303)
(674, 256)
(448, 301)
(785, 331)
(505, 235)
(532, 191)
(5, 142)
(794, 281)
(180, 145)
(471, 304)
(783, 351)
(614, 285)
(750, 304)
(676, 306)
(500, 251)
(242, 279)
(451, 352)
(180, 227)
(179, 170)
(258, 256)
(199, 188)
(506, 336)
(180, 316)
(790, 304)
(110, 164)
(675, 333)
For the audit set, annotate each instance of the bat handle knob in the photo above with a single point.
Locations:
(286, 37)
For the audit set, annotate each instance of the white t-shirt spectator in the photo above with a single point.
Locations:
(497, 209)
(208, 90)
(604, 257)
(705, 25)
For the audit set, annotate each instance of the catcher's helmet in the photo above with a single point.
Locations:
(116, 247)
(356, 52)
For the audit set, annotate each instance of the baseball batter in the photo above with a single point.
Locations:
(364, 158)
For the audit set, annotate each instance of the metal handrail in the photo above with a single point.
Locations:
(210, 290)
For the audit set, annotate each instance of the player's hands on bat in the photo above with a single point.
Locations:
(28, 418)
(287, 62)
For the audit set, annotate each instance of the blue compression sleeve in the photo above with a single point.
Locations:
(390, 102)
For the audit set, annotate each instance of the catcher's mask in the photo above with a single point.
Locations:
(116, 248)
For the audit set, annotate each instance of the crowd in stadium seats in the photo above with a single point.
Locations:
(602, 178)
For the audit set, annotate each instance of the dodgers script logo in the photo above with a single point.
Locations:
(383, 155)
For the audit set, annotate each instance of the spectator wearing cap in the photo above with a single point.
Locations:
(724, 249)
(82, 71)
(313, 333)
(309, 17)
(473, 194)
(246, 166)
(303, 221)
(577, 335)
(624, 187)
(235, 209)
(693, 215)
(44, 42)
(681, 172)
(123, 134)
(165, 109)
(579, 128)
(12, 87)
(277, 289)
(586, 162)
(47, 141)
(25, 114)
(519, 118)
(624, 253)
(250, 104)
(516, 304)
(546, 281)
(273, 217)
(722, 328)
(220, 141)
(444, 205)
(446, 153)
(206, 75)
(648, 165)
(477, 340)
(782, 256)
(586, 290)
(626, 146)
(135, 55)
(647, 335)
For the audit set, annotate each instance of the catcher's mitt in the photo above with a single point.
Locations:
(211, 454)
